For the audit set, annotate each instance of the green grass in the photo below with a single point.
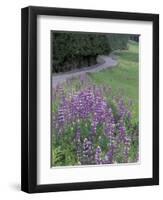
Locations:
(124, 78)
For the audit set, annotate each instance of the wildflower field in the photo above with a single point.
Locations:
(95, 115)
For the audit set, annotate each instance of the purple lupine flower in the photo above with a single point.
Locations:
(110, 126)
(87, 146)
(98, 152)
(125, 140)
(88, 154)
(109, 157)
(123, 111)
(78, 144)
(94, 128)
(122, 132)
(127, 143)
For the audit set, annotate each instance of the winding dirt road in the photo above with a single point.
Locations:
(103, 62)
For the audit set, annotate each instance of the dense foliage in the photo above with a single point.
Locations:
(118, 41)
(72, 50)
(91, 126)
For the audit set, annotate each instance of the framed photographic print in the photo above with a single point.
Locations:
(90, 99)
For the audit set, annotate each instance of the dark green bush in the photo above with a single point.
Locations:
(72, 50)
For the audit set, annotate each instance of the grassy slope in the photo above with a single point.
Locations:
(124, 78)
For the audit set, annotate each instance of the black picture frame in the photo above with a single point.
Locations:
(29, 99)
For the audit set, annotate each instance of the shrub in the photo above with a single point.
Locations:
(72, 50)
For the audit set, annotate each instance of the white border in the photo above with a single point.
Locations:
(48, 175)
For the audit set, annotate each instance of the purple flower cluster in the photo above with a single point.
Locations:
(89, 107)
(122, 110)
(83, 105)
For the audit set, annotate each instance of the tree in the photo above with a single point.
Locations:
(71, 50)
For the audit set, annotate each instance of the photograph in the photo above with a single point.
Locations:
(94, 98)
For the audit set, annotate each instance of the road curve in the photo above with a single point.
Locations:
(103, 62)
